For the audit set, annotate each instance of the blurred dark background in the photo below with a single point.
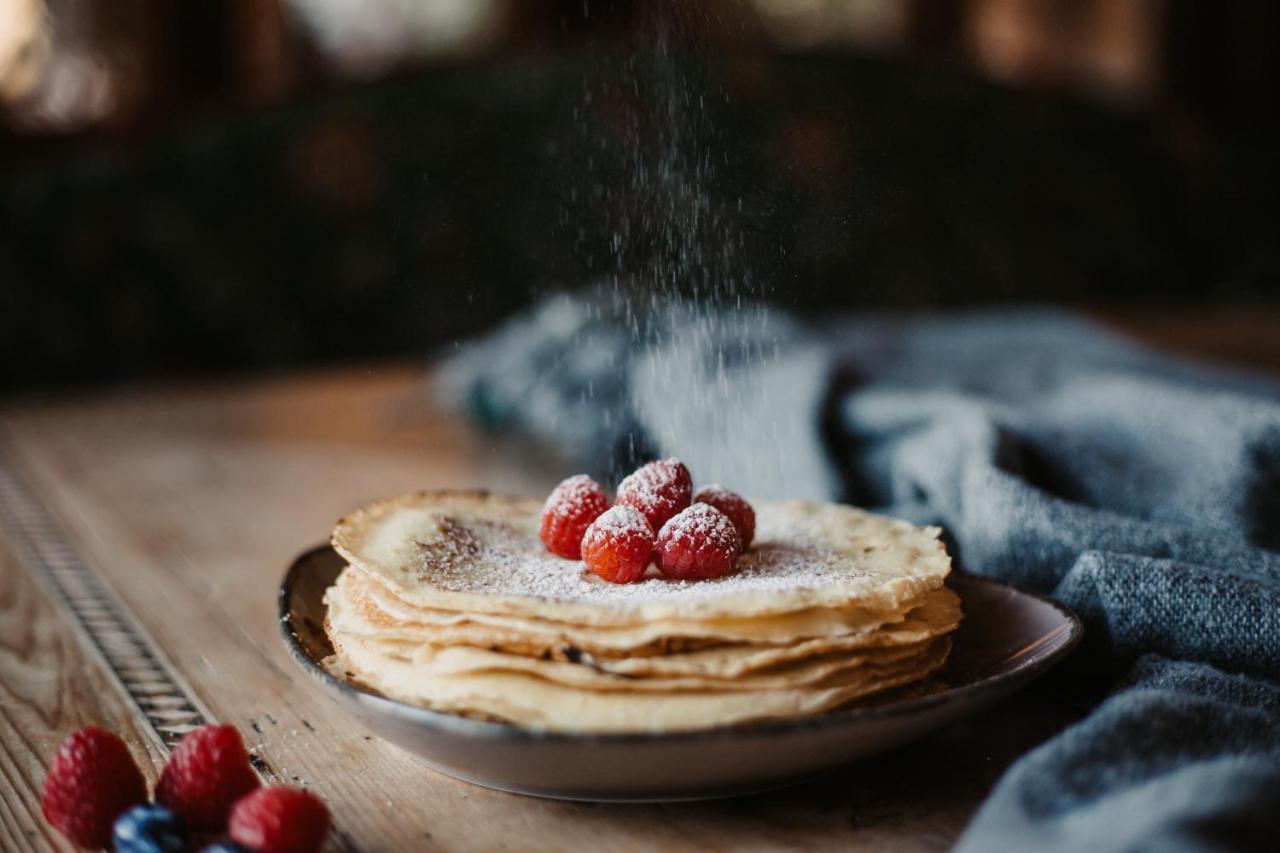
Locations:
(197, 187)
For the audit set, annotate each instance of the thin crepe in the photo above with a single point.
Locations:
(479, 553)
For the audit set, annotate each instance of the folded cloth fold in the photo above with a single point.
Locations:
(1183, 757)
(1140, 489)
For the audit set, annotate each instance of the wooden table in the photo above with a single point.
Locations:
(170, 513)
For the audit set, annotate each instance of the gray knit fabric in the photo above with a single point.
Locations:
(1140, 490)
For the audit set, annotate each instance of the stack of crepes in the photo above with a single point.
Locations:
(450, 601)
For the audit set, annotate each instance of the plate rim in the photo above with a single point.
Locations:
(499, 731)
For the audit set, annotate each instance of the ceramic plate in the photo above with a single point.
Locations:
(1007, 638)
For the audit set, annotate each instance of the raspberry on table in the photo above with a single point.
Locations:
(149, 828)
(280, 820)
(733, 505)
(569, 510)
(618, 545)
(697, 544)
(92, 781)
(207, 773)
(659, 489)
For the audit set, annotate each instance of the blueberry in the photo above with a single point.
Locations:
(149, 829)
(226, 845)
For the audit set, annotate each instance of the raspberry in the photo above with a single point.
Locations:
(149, 829)
(733, 505)
(207, 773)
(618, 545)
(280, 820)
(699, 543)
(570, 508)
(659, 490)
(91, 782)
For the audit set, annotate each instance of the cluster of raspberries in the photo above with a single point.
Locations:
(96, 796)
(698, 536)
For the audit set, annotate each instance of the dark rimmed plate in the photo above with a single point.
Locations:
(1008, 637)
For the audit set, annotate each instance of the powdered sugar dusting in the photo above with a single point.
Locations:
(799, 547)
(659, 489)
(620, 521)
(569, 509)
(701, 521)
(713, 492)
(739, 511)
(700, 542)
(576, 491)
(618, 546)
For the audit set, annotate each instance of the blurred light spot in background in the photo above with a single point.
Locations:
(871, 24)
(365, 37)
(53, 77)
(22, 47)
(1102, 47)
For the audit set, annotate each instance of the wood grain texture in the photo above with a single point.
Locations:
(48, 687)
(191, 502)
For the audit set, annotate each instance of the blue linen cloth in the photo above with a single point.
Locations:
(1139, 489)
